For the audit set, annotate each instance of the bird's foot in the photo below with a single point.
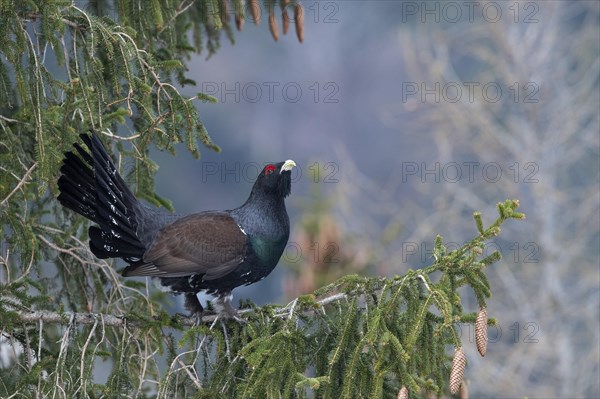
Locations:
(232, 314)
(226, 311)
(223, 308)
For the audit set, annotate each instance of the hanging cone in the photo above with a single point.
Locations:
(224, 12)
(458, 370)
(285, 18)
(464, 391)
(481, 331)
(403, 393)
(239, 22)
(299, 19)
(273, 25)
(255, 11)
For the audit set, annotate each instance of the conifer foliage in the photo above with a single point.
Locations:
(70, 327)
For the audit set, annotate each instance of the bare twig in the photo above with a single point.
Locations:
(19, 185)
(179, 10)
(117, 137)
(4, 118)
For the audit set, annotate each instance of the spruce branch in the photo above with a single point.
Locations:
(359, 336)
(177, 321)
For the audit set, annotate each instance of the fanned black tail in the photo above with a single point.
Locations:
(91, 186)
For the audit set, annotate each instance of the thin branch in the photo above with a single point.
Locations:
(4, 118)
(108, 133)
(179, 10)
(120, 321)
(19, 185)
(422, 278)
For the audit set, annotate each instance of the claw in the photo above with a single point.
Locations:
(223, 306)
(226, 311)
(236, 316)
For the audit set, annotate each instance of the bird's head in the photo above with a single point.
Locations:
(275, 179)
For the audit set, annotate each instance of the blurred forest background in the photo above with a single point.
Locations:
(404, 117)
(416, 114)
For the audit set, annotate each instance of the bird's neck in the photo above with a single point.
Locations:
(260, 201)
(263, 215)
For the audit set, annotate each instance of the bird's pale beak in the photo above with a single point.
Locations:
(287, 165)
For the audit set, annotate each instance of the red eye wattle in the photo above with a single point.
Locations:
(269, 169)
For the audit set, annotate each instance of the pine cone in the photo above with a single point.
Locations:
(286, 21)
(403, 393)
(239, 22)
(481, 331)
(255, 11)
(224, 12)
(458, 370)
(464, 391)
(285, 18)
(299, 18)
(273, 25)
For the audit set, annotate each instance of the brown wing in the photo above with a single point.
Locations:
(211, 243)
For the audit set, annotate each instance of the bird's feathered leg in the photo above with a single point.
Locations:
(223, 306)
(192, 304)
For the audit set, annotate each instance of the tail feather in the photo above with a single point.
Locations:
(105, 245)
(117, 226)
(110, 198)
(83, 153)
(76, 187)
(91, 186)
(104, 166)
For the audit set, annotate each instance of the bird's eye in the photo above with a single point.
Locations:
(269, 169)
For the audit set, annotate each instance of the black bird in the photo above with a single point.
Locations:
(213, 251)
